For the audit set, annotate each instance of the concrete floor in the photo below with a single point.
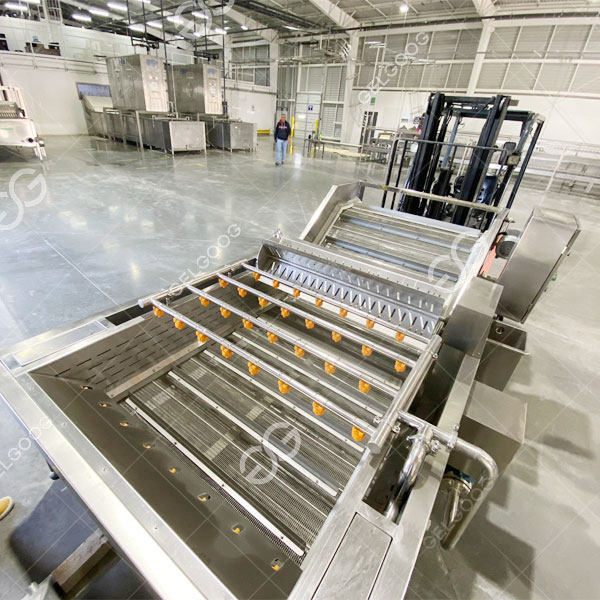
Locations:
(116, 224)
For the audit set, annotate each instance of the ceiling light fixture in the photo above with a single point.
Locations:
(136, 27)
(117, 6)
(154, 24)
(245, 27)
(292, 28)
(14, 6)
(404, 8)
(220, 31)
(200, 15)
(98, 11)
(175, 19)
(80, 17)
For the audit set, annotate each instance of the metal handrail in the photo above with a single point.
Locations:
(428, 196)
(405, 395)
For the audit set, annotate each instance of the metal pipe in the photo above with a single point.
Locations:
(477, 495)
(299, 367)
(388, 177)
(405, 395)
(428, 196)
(303, 343)
(421, 447)
(323, 322)
(308, 414)
(349, 308)
(456, 488)
(479, 490)
(469, 506)
(402, 156)
(314, 396)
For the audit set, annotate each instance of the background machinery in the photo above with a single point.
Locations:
(17, 130)
(174, 108)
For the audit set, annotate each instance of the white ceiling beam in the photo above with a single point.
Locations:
(484, 40)
(485, 8)
(336, 14)
(264, 32)
(554, 20)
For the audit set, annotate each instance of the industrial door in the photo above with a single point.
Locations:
(308, 114)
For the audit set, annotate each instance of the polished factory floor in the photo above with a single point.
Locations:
(116, 224)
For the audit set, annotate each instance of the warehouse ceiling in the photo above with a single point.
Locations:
(207, 20)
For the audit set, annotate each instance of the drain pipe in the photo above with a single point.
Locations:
(422, 445)
(466, 508)
(427, 441)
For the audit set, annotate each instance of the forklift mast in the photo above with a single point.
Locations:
(484, 170)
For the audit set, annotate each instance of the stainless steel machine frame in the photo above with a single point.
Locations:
(390, 303)
(195, 88)
(232, 135)
(18, 130)
(138, 82)
(545, 242)
(174, 135)
(163, 131)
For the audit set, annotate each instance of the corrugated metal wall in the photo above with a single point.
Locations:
(529, 58)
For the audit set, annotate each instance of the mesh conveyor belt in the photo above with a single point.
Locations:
(284, 499)
(246, 401)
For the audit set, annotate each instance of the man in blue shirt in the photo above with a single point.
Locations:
(283, 131)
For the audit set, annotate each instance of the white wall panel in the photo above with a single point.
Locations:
(555, 77)
(51, 96)
(80, 43)
(253, 107)
(570, 120)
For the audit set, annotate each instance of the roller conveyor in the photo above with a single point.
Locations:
(266, 426)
